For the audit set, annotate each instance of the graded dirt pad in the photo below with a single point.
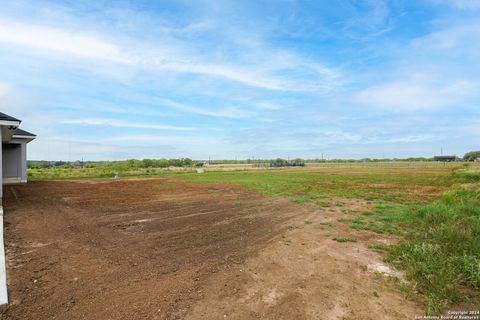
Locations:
(167, 249)
(131, 249)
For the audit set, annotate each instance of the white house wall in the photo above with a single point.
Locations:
(1, 173)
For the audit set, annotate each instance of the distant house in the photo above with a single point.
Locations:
(13, 154)
(445, 158)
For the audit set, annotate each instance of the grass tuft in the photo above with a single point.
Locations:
(345, 239)
(378, 247)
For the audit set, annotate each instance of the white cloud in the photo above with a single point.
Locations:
(460, 4)
(66, 42)
(228, 72)
(5, 88)
(123, 124)
(231, 112)
(458, 40)
(400, 139)
(289, 74)
(18, 103)
(466, 4)
(268, 70)
(269, 105)
(436, 71)
(415, 94)
(142, 139)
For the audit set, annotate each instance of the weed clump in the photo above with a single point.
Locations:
(345, 239)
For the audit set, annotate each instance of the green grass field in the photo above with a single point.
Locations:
(306, 185)
(434, 206)
(127, 169)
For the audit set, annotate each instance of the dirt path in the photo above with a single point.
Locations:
(167, 249)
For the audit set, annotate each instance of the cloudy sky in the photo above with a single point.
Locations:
(104, 80)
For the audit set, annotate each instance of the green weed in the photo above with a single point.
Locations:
(345, 239)
(367, 213)
(378, 247)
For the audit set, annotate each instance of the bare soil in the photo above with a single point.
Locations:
(305, 274)
(167, 249)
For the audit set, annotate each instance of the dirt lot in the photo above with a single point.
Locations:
(167, 249)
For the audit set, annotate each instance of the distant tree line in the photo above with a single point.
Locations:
(132, 163)
(279, 162)
(187, 162)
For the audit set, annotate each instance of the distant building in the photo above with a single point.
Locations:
(445, 158)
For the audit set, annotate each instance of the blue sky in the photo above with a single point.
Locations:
(104, 80)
